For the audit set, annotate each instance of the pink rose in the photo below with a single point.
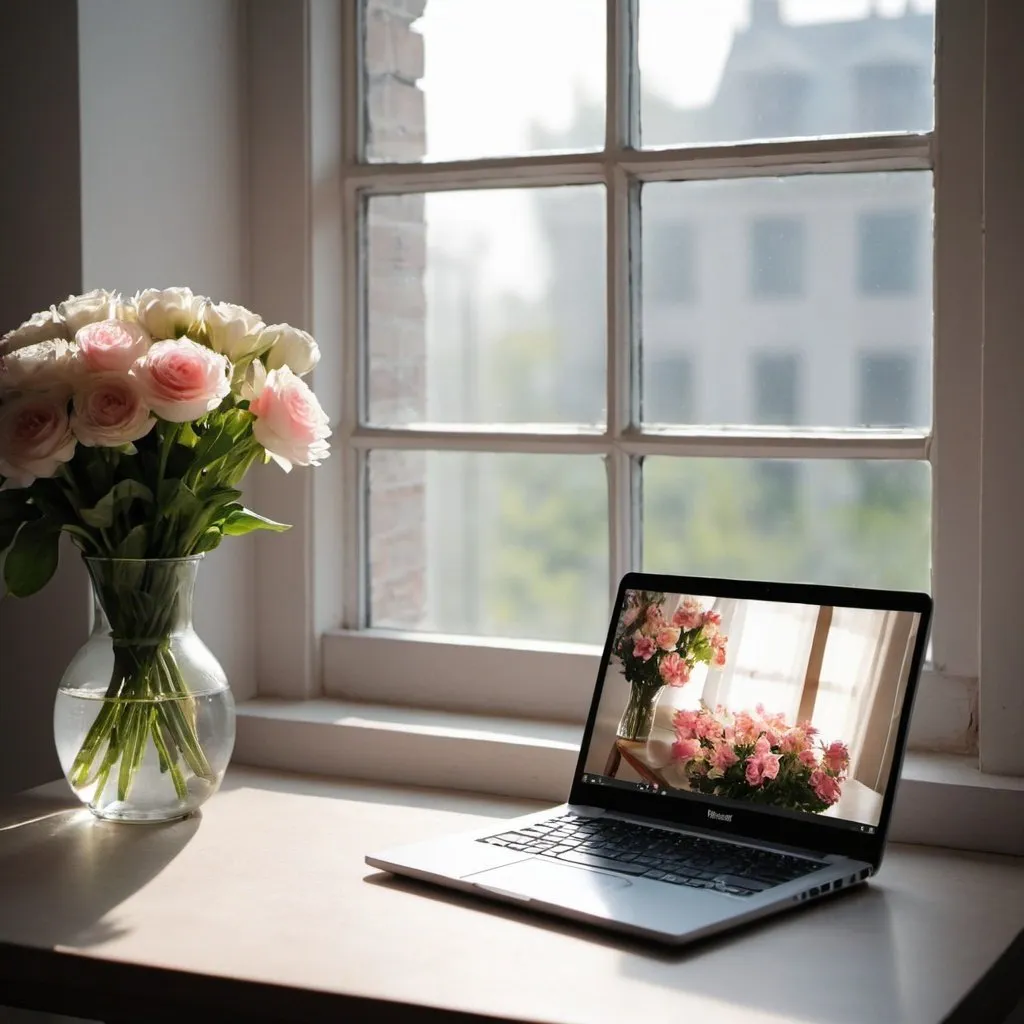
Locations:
(182, 380)
(674, 670)
(808, 757)
(747, 729)
(689, 616)
(109, 411)
(836, 757)
(718, 658)
(35, 438)
(723, 757)
(667, 637)
(643, 647)
(685, 723)
(761, 766)
(289, 421)
(826, 787)
(111, 345)
(685, 750)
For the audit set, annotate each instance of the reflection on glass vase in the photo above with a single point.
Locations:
(144, 721)
(638, 718)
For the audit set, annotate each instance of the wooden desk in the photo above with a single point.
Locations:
(263, 909)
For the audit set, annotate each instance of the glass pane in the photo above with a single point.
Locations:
(801, 301)
(860, 523)
(717, 71)
(487, 307)
(488, 544)
(460, 79)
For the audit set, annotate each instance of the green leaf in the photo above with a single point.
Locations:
(101, 515)
(208, 541)
(135, 544)
(177, 500)
(33, 559)
(239, 523)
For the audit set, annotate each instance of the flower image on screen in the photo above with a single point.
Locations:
(794, 708)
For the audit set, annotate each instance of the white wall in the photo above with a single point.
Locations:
(129, 172)
(163, 199)
(41, 263)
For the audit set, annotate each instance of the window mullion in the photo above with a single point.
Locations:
(354, 481)
(622, 234)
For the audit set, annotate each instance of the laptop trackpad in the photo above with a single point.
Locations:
(551, 882)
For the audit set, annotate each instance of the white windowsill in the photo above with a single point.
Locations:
(944, 800)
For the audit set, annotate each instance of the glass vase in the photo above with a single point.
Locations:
(638, 717)
(144, 720)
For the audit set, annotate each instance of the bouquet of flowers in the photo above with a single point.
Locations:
(659, 650)
(128, 424)
(758, 758)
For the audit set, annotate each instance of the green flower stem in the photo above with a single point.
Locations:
(147, 698)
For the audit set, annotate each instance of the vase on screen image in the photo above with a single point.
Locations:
(659, 641)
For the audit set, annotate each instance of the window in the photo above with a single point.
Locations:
(890, 97)
(776, 389)
(886, 385)
(888, 253)
(776, 257)
(667, 495)
(669, 389)
(776, 102)
(670, 263)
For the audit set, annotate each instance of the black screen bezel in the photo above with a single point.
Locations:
(819, 834)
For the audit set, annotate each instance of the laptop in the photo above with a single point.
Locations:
(740, 758)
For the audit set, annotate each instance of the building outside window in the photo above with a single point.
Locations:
(888, 253)
(776, 257)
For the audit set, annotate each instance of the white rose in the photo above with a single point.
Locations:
(288, 346)
(167, 313)
(232, 330)
(79, 310)
(38, 367)
(45, 326)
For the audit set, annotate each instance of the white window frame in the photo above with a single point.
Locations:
(305, 194)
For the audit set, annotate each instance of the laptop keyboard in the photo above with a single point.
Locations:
(628, 848)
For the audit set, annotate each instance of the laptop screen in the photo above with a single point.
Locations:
(791, 708)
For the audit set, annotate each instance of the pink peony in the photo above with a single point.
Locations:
(826, 787)
(111, 345)
(674, 670)
(761, 766)
(808, 757)
(723, 757)
(793, 741)
(35, 438)
(182, 380)
(689, 615)
(667, 638)
(709, 728)
(685, 723)
(643, 647)
(836, 758)
(685, 749)
(108, 410)
(289, 421)
(747, 728)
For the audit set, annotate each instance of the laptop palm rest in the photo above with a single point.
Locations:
(537, 879)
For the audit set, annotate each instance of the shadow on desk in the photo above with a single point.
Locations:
(83, 867)
(733, 967)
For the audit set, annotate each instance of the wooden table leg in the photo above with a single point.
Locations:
(614, 760)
